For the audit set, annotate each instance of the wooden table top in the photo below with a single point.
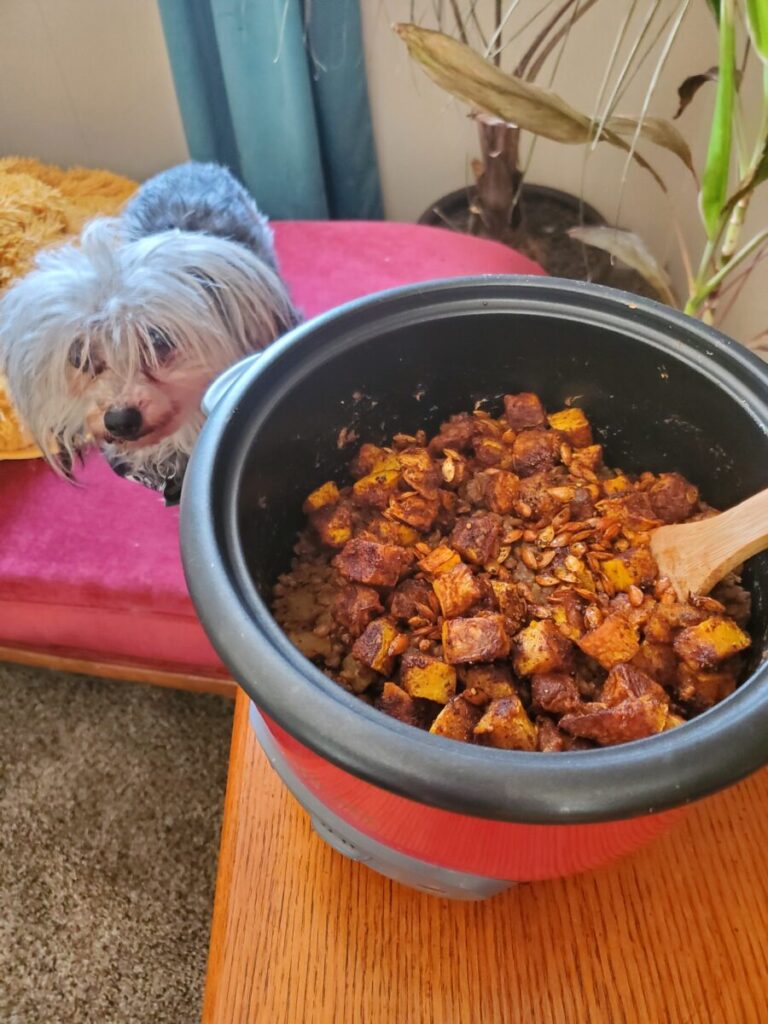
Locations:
(675, 934)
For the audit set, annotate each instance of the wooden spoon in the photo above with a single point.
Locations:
(696, 556)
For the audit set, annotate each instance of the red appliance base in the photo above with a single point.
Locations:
(491, 850)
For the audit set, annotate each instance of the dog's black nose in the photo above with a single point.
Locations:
(125, 423)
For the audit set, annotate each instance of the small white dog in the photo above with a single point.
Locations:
(112, 340)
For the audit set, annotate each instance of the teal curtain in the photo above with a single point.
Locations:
(276, 91)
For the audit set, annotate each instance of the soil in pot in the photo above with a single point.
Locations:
(547, 215)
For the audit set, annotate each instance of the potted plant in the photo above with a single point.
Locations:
(502, 204)
(512, 102)
(734, 167)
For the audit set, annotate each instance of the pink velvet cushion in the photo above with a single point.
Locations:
(94, 570)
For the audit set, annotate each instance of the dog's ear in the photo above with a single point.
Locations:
(172, 492)
(64, 456)
(63, 460)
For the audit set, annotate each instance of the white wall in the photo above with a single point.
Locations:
(88, 81)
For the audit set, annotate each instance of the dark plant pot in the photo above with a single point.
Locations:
(664, 392)
(454, 206)
(547, 213)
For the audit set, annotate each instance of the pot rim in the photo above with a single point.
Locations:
(716, 749)
(530, 192)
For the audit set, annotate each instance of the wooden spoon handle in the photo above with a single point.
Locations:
(736, 535)
(696, 556)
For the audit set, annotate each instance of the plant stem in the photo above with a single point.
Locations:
(563, 30)
(530, 53)
(697, 287)
(708, 287)
(497, 32)
(733, 230)
(459, 22)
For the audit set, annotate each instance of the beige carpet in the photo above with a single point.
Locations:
(110, 806)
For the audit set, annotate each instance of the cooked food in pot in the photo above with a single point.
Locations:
(493, 584)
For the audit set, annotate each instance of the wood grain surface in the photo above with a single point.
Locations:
(120, 670)
(675, 934)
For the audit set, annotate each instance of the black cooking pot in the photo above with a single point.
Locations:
(663, 392)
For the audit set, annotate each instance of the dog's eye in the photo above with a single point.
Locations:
(84, 362)
(162, 344)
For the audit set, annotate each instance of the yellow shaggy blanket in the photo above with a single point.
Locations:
(41, 204)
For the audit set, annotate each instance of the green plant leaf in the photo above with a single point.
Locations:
(630, 249)
(714, 183)
(655, 129)
(466, 75)
(758, 174)
(714, 6)
(688, 89)
(757, 20)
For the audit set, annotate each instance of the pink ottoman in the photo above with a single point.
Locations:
(90, 576)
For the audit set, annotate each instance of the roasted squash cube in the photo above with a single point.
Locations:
(457, 590)
(426, 677)
(439, 560)
(524, 410)
(667, 619)
(373, 646)
(573, 425)
(615, 485)
(366, 561)
(635, 567)
(673, 499)
(493, 680)
(482, 638)
(406, 598)
(541, 647)
(630, 719)
(414, 510)
(561, 618)
(398, 704)
(702, 688)
(534, 451)
(355, 606)
(511, 603)
(477, 538)
(457, 720)
(390, 531)
(549, 738)
(456, 433)
(534, 495)
(615, 639)
(377, 487)
(710, 642)
(326, 494)
(490, 451)
(633, 510)
(333, 525)
(590, 457)
(501, 491)
(618, 573)
(673, 721)
(573, 606)
(658, 661)
(506, 725)
(368, 456)
(555, 692)
(627, 681)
